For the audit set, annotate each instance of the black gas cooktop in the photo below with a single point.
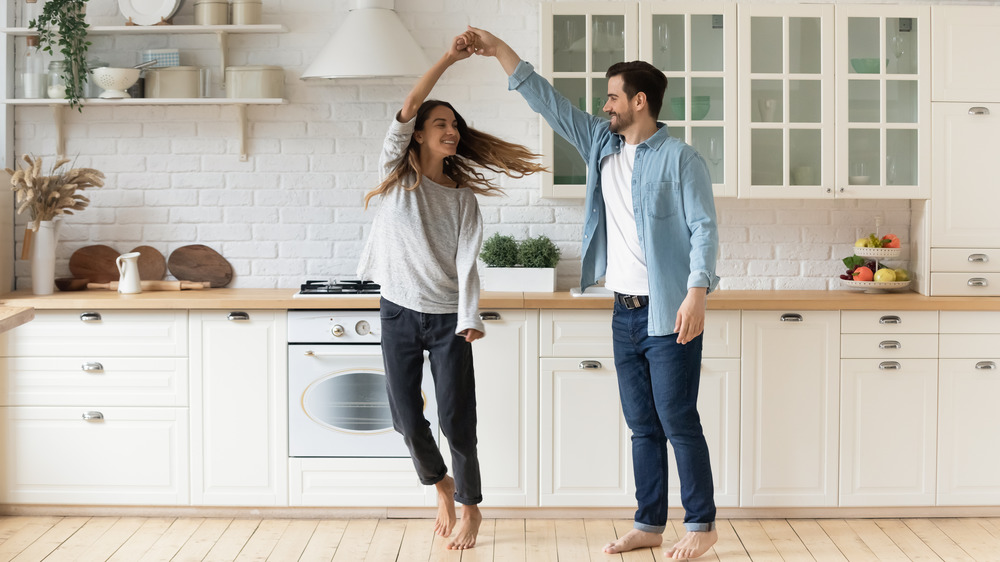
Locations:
(339, 287)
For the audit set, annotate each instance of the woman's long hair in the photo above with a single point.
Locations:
(475, 148)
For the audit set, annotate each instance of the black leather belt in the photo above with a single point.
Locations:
(631, 301)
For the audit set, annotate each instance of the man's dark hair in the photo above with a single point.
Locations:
(640, 76)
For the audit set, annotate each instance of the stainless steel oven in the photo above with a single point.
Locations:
(336, 387)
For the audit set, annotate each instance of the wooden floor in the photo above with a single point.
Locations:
(134, 539)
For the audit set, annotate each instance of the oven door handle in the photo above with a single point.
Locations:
(311, 353)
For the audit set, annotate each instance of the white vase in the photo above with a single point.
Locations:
(43, 257)
(519, 279)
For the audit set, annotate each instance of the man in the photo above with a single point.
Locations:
(650, 230)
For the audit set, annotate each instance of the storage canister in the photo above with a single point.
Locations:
(246, 12)
(211, 12)
(174, 82)
(255, 82)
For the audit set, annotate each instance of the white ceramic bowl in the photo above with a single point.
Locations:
(115, 81)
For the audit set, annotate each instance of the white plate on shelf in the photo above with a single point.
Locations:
(881, 253)
(149, 12)
(874, 286)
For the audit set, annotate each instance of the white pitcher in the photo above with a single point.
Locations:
(128, 270)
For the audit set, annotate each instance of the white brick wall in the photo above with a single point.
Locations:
(295, 209)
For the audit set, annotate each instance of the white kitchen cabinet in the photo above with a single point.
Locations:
(969, 420)
(790, 399)
(965, 39)
(239, 436)
(694, 44)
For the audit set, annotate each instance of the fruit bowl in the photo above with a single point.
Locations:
(865, 65)
(878, 253)
(115, 81)
(875, 286)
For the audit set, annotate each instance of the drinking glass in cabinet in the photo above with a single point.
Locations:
(609, 42)
(767, 101)
(901, 161)
(668, 42)
(901, 45)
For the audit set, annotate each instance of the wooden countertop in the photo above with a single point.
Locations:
(281, 299)
(12, 317)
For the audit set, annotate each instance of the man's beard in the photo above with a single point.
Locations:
(622, 122)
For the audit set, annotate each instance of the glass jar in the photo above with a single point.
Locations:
(57, 83)
(34, 79)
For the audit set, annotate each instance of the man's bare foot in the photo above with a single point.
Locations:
(468, 528)
(692, 545)
(446, 507)
(632, 540)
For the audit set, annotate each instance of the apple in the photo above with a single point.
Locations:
(885, 275)
(862, 243)
(890, 241)
(902, 275)
(862, 273)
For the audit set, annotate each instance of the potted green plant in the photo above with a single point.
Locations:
(61, 28)
(525, 266)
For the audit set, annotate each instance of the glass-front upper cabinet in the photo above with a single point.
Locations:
(580, 40)
(786, 101)
(883, 101)
(694, 45)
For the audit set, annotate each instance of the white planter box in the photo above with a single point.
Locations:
(519, 279)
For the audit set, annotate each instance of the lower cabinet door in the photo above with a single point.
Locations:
(968, 458)
(76, 455)
(585, 450)
(888, 425)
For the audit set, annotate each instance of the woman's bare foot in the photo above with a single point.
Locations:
(692, 545)
(632, 540)
(446, 507)
(468, 528)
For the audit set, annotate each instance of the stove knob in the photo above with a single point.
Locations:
(363, 328)
(337, 331)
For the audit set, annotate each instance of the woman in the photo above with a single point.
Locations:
(422, 250)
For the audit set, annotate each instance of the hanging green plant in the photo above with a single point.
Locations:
(61, 28)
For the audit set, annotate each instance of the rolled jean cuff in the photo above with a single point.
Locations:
(658, 529)
(468, 501)
(700, 527)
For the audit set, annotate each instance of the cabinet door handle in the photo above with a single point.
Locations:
(889, 344)
(238, 316)
(487, 316)
(890, 320)
(978, 282)
(590, 364)
(92, 367)
(90, 317)
(986, 365)
(979, 110)
(889, 366)
(791, 317)
(93, 416)
(978, 258)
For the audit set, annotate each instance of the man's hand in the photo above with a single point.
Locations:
(691, 315)
(489, 45)
(471, 335)
(462, 46)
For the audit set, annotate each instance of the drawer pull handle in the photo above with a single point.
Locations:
(589, 364)
(978, 282)
(890, 320)
(979, 110)
(791, 317)
(93, 416)
(986, 365)
(238, 316)
(978, 258)
(889, 344)
(487, 316)
(90, 317)
(92, 367)
(889, 366)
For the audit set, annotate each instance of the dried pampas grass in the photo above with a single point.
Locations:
(46, 195)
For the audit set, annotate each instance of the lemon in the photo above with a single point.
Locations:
(885, 275)
(862, 243)
(902, 275)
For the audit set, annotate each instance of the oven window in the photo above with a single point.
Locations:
(353, 401)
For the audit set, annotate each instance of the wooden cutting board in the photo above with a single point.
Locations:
(96, 263)
(200, 263)
(152, 264)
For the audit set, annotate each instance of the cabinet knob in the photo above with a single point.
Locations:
(487, 316)
(590, 364)
(889, 344)
(90, 317)
(93, 416)
(92, 367)
(238, 316)
(890, 320)
(986, 365)
(979, 110)
(978, 258)
(791, 317)
(889, 366)
(979, 282)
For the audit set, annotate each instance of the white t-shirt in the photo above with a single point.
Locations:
(626, 264)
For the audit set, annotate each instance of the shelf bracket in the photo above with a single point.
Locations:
(241, 117)
(58, 119)
(224, 55)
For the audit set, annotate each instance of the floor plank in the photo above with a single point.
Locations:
(816, 540)
(73, 547)
(109, 543)
(785, 540)
(571, 539)
(509, 541)
(10, 525)
(172, 540)
(849, 543)
(483, 552)
(143, 538)
(755, 540)
(293, 541)
(909, 543)
(881, 545)
(24, 536)
(202, 540)
(232, 540)
(356, 540)
(541, 541)
(386, 541)
(729, 547)
(973, 538)
(323, 543)
(262, 541)
(51, 539)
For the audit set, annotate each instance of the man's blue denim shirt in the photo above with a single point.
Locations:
(671, 197)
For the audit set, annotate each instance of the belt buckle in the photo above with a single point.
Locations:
(632, 302)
